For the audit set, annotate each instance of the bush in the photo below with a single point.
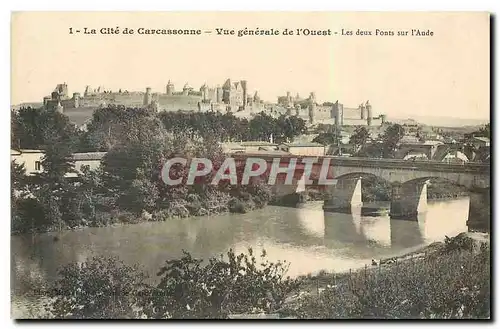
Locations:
(237, 206)
(101, 288)
(160, 215)
(239, 284)
(104, 288)
(28, 215)
(458, 243)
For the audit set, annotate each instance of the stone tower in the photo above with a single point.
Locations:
(289, 99)
(362, 111)
(76, 100)
(220, 93)
(312, 107)
(87, 91)
(185, 90)
(244, 86)
(256, 98)
(62, 90)
(338, 114)
(170, 88)
(368, 113)
(148, 97)
(204, 92)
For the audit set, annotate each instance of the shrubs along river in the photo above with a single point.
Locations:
(449, 280)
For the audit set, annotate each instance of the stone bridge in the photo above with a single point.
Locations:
(408, 178)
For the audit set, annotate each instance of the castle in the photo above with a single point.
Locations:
(360, 116)
(309, 110)
(232, 96)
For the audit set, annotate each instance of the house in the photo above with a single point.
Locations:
(308, 149)
(418, 150)
(31, 159)
(253, 146)
(407, 139)
(480, 141)
(90, 159)
(231, 147)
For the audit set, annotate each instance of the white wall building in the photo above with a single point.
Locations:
(32, 160)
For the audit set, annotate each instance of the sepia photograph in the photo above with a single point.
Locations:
(250, 165)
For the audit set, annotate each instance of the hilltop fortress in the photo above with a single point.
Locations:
(329, 113)
(230, 97)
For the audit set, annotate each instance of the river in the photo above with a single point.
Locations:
(307, 237)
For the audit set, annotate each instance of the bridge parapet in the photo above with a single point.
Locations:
(470, 175)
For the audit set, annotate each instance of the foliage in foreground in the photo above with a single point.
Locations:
(97, 289)
(448, 285)
(453, 282)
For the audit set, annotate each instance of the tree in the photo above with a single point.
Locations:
(262, 126)
(138, 155)
(242, 283)
(17, 184)
(483, 131)
(288, 127)
(100, 288)
(360, 136)
(17, 176)
(391, 138)
(26, 130)
(372, 150)
(331, 137)
(112, 125)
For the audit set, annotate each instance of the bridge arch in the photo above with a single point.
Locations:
(356, 174)
(373, 187)
(439, 187)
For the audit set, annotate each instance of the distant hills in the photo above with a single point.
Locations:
(441, 121)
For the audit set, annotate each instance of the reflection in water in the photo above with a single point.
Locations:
(406, 233)
(308, 237)
(343, 228)
(377, 230)
(311, 220)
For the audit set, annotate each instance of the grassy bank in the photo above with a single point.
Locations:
(445, 280)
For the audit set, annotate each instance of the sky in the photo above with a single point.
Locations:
(446, 74)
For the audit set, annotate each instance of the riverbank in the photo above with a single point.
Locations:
(31, 217)
(116, 218)
(311, 289)
(448, 279)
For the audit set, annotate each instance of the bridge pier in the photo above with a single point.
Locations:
(345, 196)
(408, 201)
(289, 195)
(479, 210)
